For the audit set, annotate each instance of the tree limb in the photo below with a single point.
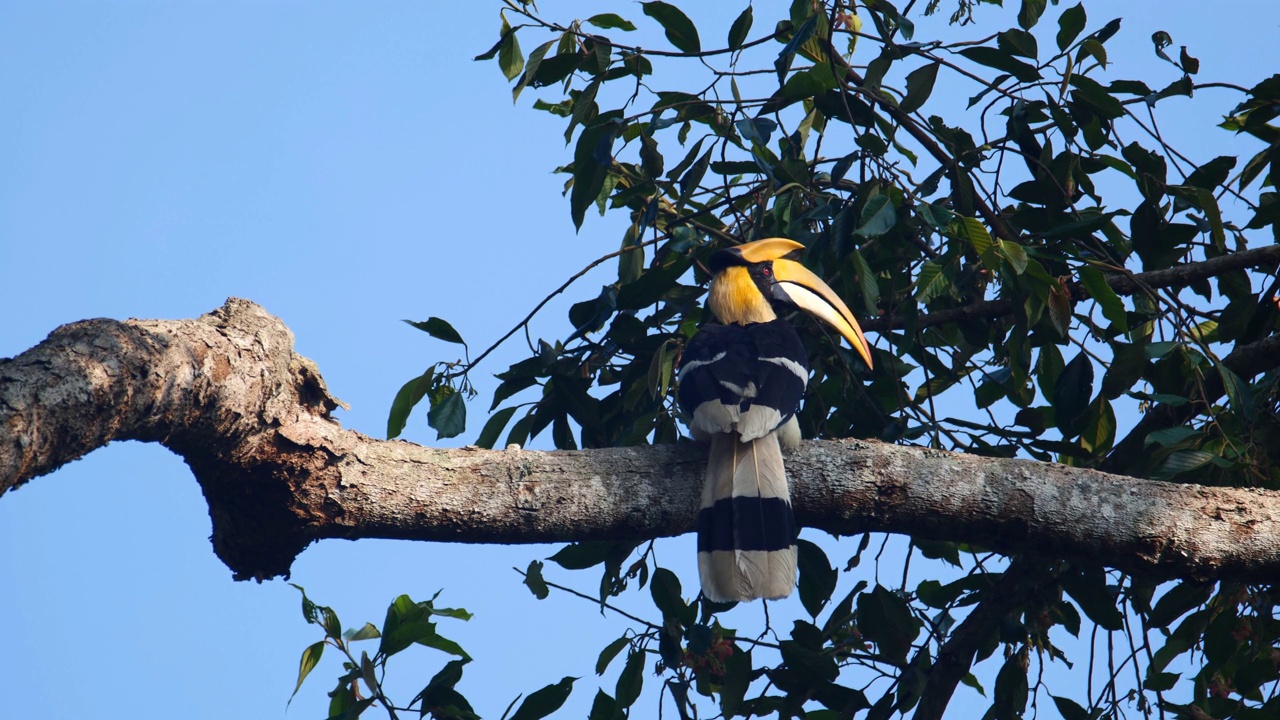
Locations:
(1023, 578)
(253, 421)
(1179, 276)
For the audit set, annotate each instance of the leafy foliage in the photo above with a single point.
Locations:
(1018, 313)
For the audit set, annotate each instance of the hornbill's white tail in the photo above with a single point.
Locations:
(746, 530)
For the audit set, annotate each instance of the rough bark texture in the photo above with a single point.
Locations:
(252, 419)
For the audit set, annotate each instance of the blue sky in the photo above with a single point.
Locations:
(345, 165)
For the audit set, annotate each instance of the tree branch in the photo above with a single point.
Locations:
(1179, 276)
(252, 420)
(1023, 578)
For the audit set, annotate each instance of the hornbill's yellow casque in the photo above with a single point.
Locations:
(741, 384)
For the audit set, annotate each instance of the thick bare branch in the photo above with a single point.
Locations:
(252, 419)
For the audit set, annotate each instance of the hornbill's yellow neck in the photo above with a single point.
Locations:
(734, 298)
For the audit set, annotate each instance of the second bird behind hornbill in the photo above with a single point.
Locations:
(740, 383)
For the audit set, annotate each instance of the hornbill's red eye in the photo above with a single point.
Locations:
(767, 272)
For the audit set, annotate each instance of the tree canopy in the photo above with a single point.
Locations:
(1045, 278)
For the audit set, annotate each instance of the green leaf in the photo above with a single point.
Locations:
(757, 130)
(1096, 97)
(1268, 214)
(866, 282)
(1048, 367)
(580, 556)
(1181, 461)
(584, 105)
(455, 613)
(919, 86)
(542, 703)
(1161, 681)
(440, 696)
(1112, 306)
(1178, 601)
(1011, 689)
(310, 657)
(494, 427)
(741, 26)
(930, 282)
(1002, 61)
(1030, 12)
(368, 672)
(970, 680)
(1070, 709)
(510, 58)
(1100, 432)
(936, 215)
(814, 82)
(493, 51)
(329, 621)
(878, 217)
(368, 632)
(1128, 362)
(1213, 173)
(438, 329)
(592, 159)
(650, 159)
(309, 609)
(631, 680)
(408, 396)
(610, 21)
(1238, 392)
(603, 707)
(1088, 587)
(679, 29)
(448, 416)
(693, 178)
(885, 619)
(1015, 254)
(1072, 392)
(406, 623)
(439, 692)
(1018, 42)
(662, 368)
(609, 652)
(665, 589)
(798, 38)
(817, 578)
(1189, 65)
(1168, 437)
(1070, 23)
(533, 580)
(444, 644)
(1096, 49)
(972, 229)
(1059, 303)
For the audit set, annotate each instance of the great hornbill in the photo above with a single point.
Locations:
(740, 383)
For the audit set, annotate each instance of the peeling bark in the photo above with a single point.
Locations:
(253, 420)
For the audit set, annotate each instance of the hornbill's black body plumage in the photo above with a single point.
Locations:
(740, 383)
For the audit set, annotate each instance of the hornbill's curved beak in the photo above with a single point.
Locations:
(794, 284)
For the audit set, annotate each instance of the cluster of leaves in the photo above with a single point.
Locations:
(408, 623)
(1016, 313)
(448, 413)
(1221, 638)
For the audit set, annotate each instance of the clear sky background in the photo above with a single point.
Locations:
(345, 165)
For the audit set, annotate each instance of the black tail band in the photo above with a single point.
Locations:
(746, 523)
